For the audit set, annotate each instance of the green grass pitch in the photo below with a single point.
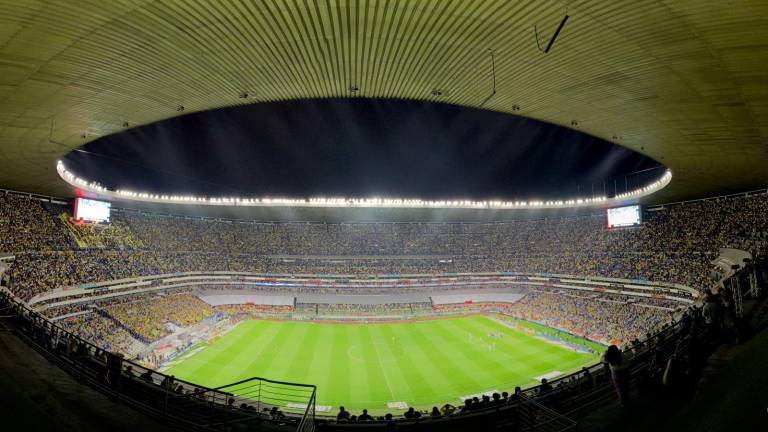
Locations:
(421, 363)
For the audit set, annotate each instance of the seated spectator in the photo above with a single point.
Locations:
(447, 409)
(343, 414)
(545, 387)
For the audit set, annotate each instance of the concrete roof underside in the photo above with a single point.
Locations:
(684, 82)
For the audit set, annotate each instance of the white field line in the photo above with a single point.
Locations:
(384, 372)
(549, 376)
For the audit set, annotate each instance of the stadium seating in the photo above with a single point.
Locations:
(674, 245)
(146, 319)
(103, 332)
(25, 225)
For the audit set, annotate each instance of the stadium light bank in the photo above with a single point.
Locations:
(120, 194)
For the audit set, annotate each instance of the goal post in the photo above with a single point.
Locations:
(262, 394)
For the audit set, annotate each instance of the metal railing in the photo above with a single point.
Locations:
(533, 416)
(577, 394)
(256, 400)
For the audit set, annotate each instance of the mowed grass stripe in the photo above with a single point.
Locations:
(392, 361)
(529, 355)
(290, 351)
(515, 353)
(422, 363)
(451, 373)
(405, 359)
(263, 357)
(322, 362)
(367, 383)
(366, 355)
(497, 365)
(338, 384)
(296, 365)
(489, 363)
(447, 378)
(250, 353)
(543, 354)
(532, 347)
(259, 353)
(220, 366)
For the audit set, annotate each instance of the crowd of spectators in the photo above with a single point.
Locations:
(102, 236)
(347, 309)
(146, 319)
(26, 225)
(608, 320)
(467, 308)
(101, 331)
(603, 318)
(675, 244)
(35, 272)
(255, 309)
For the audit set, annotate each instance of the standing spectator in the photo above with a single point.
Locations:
(712, 315)
(114, 369)
(619, 369)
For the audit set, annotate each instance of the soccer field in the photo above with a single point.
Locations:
(421, 363)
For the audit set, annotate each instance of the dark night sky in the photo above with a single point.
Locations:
(357, 148)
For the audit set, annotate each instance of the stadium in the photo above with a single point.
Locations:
(376, 215)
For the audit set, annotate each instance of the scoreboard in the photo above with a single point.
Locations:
(620, 217)
(92, 210)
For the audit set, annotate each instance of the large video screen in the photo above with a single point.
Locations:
(92, 210)
(619, 217)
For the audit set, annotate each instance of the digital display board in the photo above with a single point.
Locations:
(619, 217)
(92, 210)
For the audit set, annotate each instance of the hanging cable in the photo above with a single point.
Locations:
(493, 73)
(554, 36)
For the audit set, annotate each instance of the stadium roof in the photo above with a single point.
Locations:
(684, 82)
